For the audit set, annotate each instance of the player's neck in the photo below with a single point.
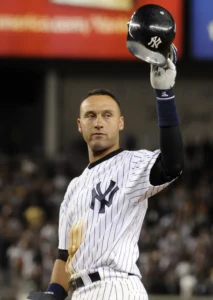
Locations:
(94, 156)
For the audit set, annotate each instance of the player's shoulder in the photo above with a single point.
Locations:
(69, 191)
(144, 154)
(72, 183)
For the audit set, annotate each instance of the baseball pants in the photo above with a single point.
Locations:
(112, 288)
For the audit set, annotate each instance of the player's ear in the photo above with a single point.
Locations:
(79, 125)
(121, 123)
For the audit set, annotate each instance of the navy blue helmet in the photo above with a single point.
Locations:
(151, 31)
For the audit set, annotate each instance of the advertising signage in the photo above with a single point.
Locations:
(81, 29)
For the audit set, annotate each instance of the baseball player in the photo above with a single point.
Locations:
(103, 209)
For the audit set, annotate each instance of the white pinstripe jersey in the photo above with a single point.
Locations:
(111, 199)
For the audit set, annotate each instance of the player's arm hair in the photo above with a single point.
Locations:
(170, 162)
(59, 275)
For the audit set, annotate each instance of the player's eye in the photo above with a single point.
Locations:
(107, 115)
(90, 116)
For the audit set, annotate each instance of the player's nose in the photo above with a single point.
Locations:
(98, 126)
(98, 123)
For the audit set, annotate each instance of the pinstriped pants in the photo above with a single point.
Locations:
(130, 288)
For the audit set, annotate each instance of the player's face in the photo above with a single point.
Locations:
(100, 122)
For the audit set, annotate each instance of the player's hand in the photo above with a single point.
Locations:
(76, 234)
(41, 296)
(75, 238)
(163, 78)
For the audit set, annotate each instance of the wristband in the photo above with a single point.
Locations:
(166, 108)
(57, 291)
(165, 94)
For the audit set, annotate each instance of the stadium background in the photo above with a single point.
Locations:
(46, 68)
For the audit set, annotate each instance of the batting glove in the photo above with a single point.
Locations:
(163, 78)
(41, 296)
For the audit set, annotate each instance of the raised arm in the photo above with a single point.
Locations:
(171, 160)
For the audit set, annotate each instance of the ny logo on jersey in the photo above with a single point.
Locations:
(155, 42)
(97, 194)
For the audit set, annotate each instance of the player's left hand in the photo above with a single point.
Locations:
(163, 78)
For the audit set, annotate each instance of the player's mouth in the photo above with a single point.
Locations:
(98, 135)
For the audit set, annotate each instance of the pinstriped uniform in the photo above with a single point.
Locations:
(109, 201)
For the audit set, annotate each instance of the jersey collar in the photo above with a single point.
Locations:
(108, 156)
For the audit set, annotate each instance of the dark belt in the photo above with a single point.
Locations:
(78, 282)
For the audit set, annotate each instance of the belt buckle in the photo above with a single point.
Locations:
(73, 285)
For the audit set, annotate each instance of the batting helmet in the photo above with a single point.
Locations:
(151, 31)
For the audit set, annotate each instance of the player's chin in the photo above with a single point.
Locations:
(99, 146)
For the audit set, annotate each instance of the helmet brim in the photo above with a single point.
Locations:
(147, 55)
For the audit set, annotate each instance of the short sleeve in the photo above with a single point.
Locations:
(64, 221)
(139, 179)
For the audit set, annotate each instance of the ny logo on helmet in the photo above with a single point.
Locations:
(155, 42)
(101, 197)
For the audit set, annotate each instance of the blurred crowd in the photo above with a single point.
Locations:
(31, 191)
(176, 240)
(176, 245)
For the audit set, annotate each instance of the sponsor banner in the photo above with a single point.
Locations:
(70, 28)
(202, 29)
(108, 4)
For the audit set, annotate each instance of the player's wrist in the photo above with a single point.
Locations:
(166, 108)
(57, 291)
(164, 94)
